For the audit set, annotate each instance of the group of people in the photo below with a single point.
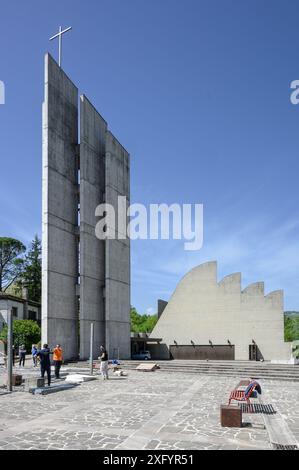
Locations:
(43, 357)
(22, 355)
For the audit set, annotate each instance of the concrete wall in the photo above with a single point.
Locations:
(117, 254)
(92, 251)
(60, 211)
(203, 310)
(158, 351)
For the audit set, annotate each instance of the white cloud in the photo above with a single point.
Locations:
(151, 311)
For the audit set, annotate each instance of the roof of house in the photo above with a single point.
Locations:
(4, 296)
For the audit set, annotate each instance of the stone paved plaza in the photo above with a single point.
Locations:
(156, 410)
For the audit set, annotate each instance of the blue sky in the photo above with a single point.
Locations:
(199, 93)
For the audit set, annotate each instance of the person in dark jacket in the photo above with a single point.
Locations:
(45, 362)
(22, 355)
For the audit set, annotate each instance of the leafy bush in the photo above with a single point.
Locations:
(24, 332)
(142, 323)
(291, 327)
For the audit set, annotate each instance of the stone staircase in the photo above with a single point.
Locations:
(248, 369)
(240, 369)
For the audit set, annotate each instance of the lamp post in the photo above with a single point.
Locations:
(91, 349)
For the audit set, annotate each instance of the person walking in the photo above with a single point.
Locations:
(34, 355)
(45, 363)
(104, 363)
(58, 359)
(22, 355)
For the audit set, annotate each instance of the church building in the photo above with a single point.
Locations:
(207, 319)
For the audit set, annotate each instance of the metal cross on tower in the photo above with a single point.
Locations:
(59, 36)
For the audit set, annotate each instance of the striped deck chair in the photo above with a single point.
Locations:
(243, 395)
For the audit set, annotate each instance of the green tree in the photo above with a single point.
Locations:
(31, 276)
(142, 323)
(150, 323)
(24, 332)
(291, 327)
(11, 261)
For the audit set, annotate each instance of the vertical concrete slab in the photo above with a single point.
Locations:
(60, 211)
(162, 304)
(92, 251)
(117, 254)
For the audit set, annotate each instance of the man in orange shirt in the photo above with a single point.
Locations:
(57, 358)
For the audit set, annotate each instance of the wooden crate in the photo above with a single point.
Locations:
(16, 380)
(231, 416)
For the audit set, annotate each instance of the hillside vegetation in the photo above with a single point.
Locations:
(291, 326)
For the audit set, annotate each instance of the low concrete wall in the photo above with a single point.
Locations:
(159, 351)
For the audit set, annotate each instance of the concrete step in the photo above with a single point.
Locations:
(224, 364)
(241, 374)
(221, 363)
(224, 367)
(278, 371)
(231, 369)
(286, 370)
(225, 370)
(244, 374)
(254, 376)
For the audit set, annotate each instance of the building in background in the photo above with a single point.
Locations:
(207, 319)
(22, 309)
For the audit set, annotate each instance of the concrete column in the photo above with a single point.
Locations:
(162, 304)
(92, 251)
(60, 211)
(117, 254)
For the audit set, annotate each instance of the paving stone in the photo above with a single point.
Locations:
(104, 415)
